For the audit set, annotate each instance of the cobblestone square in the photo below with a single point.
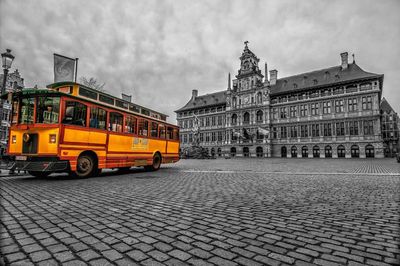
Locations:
(208, 212)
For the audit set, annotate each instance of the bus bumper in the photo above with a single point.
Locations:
(38, 165)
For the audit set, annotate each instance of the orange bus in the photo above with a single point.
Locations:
(69, 127)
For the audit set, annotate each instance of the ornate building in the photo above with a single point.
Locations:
(332, 112)
(390, 129)
(14, 82)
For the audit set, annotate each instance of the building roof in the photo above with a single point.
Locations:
(386, 107)
(321, 77)
(211, 99)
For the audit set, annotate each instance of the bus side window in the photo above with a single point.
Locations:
(161, 131)
(154, 129)
(176, 134)
(143, 127)
(130, 124)
(98, 118)
(75, 114)
(169, 132)
(115, 123)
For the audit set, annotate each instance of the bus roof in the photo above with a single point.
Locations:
(70, 83)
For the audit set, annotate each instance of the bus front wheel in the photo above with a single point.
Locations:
(156, 163)
(86, 166)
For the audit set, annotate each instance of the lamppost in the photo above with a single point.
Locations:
(7, 59)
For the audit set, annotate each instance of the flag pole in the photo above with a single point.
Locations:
(76, 68)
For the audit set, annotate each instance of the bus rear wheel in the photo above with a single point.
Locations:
(156, 163)
(39, 173)
(86, 166)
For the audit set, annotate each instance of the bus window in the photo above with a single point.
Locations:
(98, 118)
(47, 110)
(161, 132)
(176, 134)
(75, 114)
(26, 115)
(115, 122)
(169, 132)
(130, 124)
(154, 129)
(143, 127)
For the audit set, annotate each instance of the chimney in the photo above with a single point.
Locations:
(345, 60)
(194, 94)
(266, 72)
(273, 76)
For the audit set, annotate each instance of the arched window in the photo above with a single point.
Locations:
(234, 119)
(246, 152)
(304, 152)
(341, 151)
(283, 152)
(315, 151)
(233, 152)
(259, 116)
(293, 151)
(259, 98)
(369, 151)
(219, 151)
(259, 152)
(328, 151)
(355, 151)
(212, 152)
(246, 118)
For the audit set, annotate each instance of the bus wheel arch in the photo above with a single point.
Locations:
(87, 164)
(157, 160)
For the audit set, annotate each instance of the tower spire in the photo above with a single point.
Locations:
(229, 81)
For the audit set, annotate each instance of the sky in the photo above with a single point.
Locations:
(159, 51)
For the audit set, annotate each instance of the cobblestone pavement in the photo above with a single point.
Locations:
(208, 212)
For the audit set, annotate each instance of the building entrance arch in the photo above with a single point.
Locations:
(369, 151)
(293, 151)
(233, 152)
(246, 152)
(328, 151)
(259, 152)
(316, 152)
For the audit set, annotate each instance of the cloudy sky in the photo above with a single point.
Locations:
(159, 51)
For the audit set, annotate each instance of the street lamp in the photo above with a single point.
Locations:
(7, 59)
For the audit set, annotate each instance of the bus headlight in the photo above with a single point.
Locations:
(14, 139)
(52, 138)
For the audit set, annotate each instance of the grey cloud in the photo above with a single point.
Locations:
(160, 50)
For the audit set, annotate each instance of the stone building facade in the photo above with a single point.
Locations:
(390, 129)
(328, 113)
(14, 82)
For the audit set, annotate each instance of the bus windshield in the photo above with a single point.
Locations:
(47, 110)
(26, 111)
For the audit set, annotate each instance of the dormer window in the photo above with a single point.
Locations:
(315, 81)
(304, 80)
(327, 75)
(284, 83)
(295, 85)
